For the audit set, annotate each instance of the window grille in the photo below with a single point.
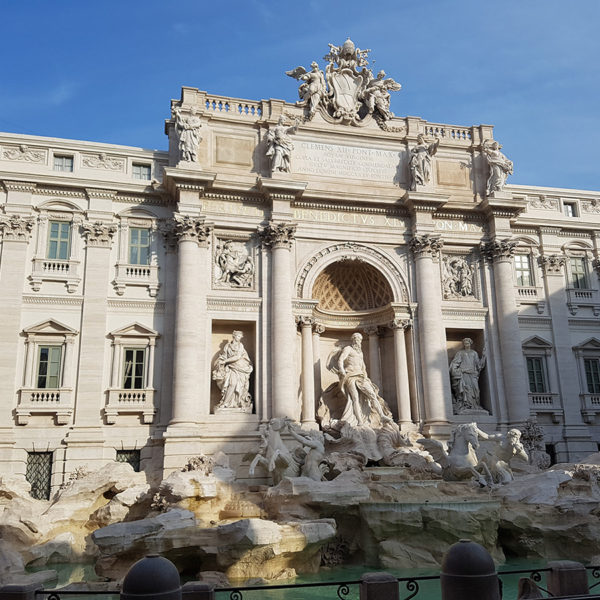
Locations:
(133, 370)
(535, 372)
(63, 163)
(139, 246)
(131, 457)
(523, 270)
(39, 474)
(59, 240)
(141, 172)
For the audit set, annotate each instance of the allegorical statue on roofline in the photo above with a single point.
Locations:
(347, 92)
(500, 166)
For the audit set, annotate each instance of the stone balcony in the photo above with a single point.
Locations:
(546, 402)
(47, 269)
(141, 275)
(532, 295)
(57, 402)
(130, 402)
(590, 407)
(579, 298)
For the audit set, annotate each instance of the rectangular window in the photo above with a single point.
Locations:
(63, 163)
(48, 372)
(133, 371)
(592, 375)
(578, 272)
(38, 473)
(537, 377)
(139, 246)
(59, 240)
(523, 270)
(569, 209)
(131, 457)
(141, 172)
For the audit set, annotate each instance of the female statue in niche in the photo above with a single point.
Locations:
(464, 376)
(231, 373)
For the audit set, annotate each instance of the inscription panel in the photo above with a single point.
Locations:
(348, 162)
(348, 218)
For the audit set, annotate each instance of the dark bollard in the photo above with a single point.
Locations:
(378, 586)
(468, 571)
(195, 590)
(152, 577)
(567, 578)
(17, 591)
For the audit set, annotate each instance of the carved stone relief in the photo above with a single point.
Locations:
(458, 278)
(103, 161)
(233, 265)
(24, 153)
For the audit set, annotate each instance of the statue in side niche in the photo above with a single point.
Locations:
(500, 167)
(313, 90)
(421, 160)
(231, 373)
(464, 377)
(364, 406)
(233, 265)
(188, 130)
(279, 145)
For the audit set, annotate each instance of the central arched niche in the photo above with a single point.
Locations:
(351, 285)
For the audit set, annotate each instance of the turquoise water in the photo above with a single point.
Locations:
(428, 590)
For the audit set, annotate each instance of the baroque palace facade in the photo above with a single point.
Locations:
(134, 281)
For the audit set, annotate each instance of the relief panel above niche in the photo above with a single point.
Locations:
(452, 173)
(234, 150)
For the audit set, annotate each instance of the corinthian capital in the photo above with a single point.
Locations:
(278, 235)
(16, 228)
(190, 229)
(400, 324)
(553, 264)
(499, 250)
(98, 233)
(426, 245)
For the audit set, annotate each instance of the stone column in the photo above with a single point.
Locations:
(308, 373)
(432, 336)
(501, 251)
(401, 370)
(279, 237)
(374, 359)
(190, 398)
(16, 232)
(89, 399)
(576, 432)
(318, 329)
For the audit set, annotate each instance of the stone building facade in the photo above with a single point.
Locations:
(124, 273)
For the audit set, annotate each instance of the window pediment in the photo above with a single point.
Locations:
(134, 330)
(589, 344)
(50, 327)
(536, 343)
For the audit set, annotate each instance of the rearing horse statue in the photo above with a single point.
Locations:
(460, 462)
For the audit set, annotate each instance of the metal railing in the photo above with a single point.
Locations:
(343, 589)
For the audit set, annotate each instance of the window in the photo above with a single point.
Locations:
(523, 270)
(63, 163)
(48, 372)
(569, 209)
(139, 246)
(578, 272)
(592, 375)
(133, 370)
(131, 457)
(141, 172)
(39, 474)
(59, 240)
(536, 375)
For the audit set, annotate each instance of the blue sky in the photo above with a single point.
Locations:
(106, 70)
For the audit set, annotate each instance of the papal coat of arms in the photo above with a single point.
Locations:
(348, 91)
